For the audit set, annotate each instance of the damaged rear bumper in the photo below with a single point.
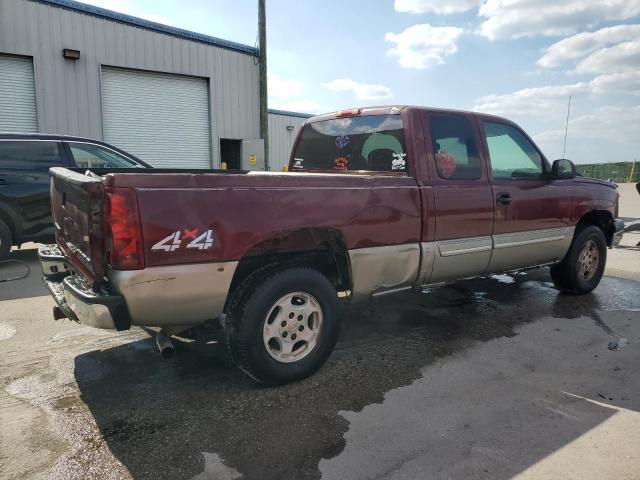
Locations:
(76, 299)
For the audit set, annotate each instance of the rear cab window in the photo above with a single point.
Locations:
(29, 156)
(374, 143)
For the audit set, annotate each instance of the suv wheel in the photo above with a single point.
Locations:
(282, 326)
(5, 240)
(582, 268)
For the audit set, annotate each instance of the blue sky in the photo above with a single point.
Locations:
(517, 58)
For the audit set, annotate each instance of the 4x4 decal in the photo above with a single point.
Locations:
(174, 241)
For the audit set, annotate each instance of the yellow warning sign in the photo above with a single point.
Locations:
(253, 160)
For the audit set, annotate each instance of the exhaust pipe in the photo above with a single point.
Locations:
(164, 344)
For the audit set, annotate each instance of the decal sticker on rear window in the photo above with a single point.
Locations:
(341, 163)
(398, 162)
(297, 162)
(342, 141)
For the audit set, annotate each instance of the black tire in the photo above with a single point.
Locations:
(5, 240)
(568, 276)
(247, 314)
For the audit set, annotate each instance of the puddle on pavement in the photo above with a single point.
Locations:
(179, 418)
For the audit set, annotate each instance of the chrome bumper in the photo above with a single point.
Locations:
(76, 299)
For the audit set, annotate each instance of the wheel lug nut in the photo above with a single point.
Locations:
(300, 328)
(291, 315)
(284, 334)
(293, 337)
(300, 317)
(283, 324)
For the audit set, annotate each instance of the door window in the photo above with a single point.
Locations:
(87, 155)
(454, 147)
(30, 156)
(512, 155)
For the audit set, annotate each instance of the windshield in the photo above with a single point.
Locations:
(371, 143)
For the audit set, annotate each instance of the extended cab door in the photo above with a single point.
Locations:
(461, 246)
(531, 220)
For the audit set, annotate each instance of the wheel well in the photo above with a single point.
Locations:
(600, 218)
(321, 249)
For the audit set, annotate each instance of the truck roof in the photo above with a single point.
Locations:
(395, 109)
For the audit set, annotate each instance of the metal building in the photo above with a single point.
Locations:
(170, 96)
(283, 129)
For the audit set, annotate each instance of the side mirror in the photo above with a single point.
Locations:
(563, 169)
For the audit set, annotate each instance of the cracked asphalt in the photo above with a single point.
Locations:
(490, 378)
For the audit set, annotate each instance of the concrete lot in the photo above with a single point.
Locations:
(491, 378)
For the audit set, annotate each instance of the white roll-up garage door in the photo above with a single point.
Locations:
(161, 118)
(17, 95)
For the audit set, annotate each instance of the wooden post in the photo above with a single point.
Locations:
(264, 119)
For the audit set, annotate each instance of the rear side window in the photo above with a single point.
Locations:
(511, 154)
(454, 147)
(371, 143)
(30, 156)
(87, 155)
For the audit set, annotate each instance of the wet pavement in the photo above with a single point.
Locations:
(487, 378)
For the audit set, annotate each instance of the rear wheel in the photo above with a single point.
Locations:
(5, 240)
(582, 268)
(282, 326)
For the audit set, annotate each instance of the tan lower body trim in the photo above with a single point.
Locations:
(174, 295)
(376, 270)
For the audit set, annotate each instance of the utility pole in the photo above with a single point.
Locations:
(264, 119)
(566, 128)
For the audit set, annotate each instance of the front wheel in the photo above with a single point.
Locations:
(282, 326)
(583, 266)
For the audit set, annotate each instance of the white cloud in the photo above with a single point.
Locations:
(625, 82)
(423, 46)
(624, 57)
(580, 45)
(280, 87)
(608, 134)
(543, 101)
(528, 18)
(528, 102)
(362, 91)
(439, 7)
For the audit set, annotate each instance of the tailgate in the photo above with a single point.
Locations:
(77, 203)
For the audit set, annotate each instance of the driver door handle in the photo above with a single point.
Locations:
(503, 199)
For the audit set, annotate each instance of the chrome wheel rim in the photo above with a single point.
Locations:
(588, 260)
(292, 327)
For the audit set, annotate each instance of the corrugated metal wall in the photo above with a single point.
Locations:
(68, 92)
(280, 139)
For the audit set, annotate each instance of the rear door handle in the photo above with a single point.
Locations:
(503, 199)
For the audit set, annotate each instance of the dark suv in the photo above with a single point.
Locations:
(25, 159)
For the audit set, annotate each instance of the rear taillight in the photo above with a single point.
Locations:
(124, 243)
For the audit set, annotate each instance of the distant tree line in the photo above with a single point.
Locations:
(620, 172)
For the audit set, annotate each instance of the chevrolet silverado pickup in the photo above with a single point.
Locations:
(376, 201)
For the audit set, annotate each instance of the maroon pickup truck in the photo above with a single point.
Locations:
(376, 201)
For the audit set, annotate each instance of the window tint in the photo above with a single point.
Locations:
(373, 142)
(29, 156)
(511, 154)
(454, 146)
(87, 155)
